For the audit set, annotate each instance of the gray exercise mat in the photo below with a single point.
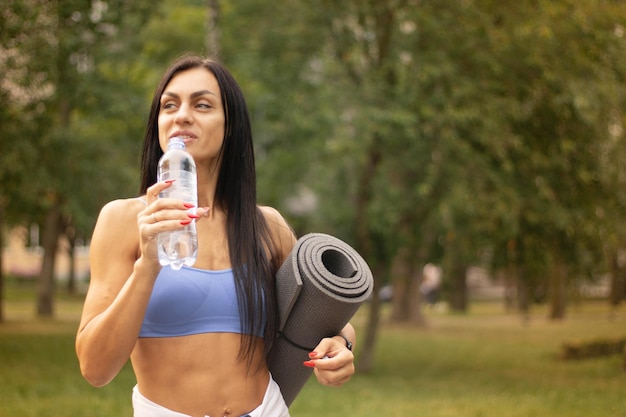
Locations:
(320, 286)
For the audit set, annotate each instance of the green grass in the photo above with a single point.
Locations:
(483, 364)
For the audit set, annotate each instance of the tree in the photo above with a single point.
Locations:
(78, 25)
(62, 126)
(23, 117)
(448, 133)
(426, 132)
(562, 119)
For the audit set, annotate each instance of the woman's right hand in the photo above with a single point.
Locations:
(162, 215)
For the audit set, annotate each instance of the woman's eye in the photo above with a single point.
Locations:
(203, 105)
(168, 105)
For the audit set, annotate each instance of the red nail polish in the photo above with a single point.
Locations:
(312, 354)
(185, 222)
(310, 364)
(193, 216)
(188, 205)
(169, 181)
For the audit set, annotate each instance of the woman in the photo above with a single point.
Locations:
(177, 327)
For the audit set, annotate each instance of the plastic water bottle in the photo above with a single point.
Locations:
(180, 247)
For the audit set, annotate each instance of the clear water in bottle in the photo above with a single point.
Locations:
(179, 247)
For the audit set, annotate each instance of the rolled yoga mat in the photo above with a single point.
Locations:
(320, 286)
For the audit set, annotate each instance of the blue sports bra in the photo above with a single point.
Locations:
(192, 301)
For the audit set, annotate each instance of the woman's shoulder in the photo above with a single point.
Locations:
(281, 231)
(271, 214)
(274, 218)
(117, 225)
(124, 207)
(121, 211)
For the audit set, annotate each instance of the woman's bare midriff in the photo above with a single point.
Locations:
(203, 375)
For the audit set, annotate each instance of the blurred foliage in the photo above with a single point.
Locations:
(493, 130)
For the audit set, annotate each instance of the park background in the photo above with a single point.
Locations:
(483, 137)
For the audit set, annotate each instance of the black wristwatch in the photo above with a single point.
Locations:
(348, 343)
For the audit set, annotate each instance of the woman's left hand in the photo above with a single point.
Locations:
(332, 361)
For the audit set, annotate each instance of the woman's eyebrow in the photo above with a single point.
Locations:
(193, 95)
(202, 92)
(167, 93)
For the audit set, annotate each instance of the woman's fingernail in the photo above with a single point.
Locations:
(310, 364)
(169, 181)
(193, 216)
(185, 222)
(312, 354)
(188, 205)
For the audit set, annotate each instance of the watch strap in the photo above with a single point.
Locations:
(348, 342)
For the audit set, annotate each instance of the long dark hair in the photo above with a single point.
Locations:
(252, 252)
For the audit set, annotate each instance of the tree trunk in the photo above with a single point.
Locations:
(416, 314)
(618, 277)
(406, 276)
(70, 233)
(212, 36)
(455, 271)
(401, 277)
(523, 296)
(508, 276)
(366, 358)
(1, 263)
(557, 291)
(52, 231)
(458, 285)
(364, 247)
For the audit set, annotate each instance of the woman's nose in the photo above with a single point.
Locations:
(183, 115)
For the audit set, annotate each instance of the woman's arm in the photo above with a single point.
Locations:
(118, 293)
(124, 267)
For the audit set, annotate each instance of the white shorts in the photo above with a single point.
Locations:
(273, 405)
